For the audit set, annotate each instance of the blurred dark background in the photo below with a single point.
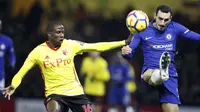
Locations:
(93, 21)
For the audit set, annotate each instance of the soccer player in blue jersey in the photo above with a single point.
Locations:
(6, 49)
(118, 91)
(159, 47)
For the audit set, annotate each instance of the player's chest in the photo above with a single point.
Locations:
(56, 58)
(154, 37)
(96, 65)
(160, 41)
(118, 73)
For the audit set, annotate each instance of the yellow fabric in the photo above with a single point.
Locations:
(57, 66)
(100, 46)
(131, 86)
(98, 70)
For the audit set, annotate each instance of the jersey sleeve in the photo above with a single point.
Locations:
(29, 63)
(186, 33)
(133, 45)
(11, 53)
(100, 46)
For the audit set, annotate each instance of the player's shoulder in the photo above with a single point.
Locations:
(40, 47)
(147, 31)
(174, 24)
(6, 38)
(86, 59)
(72, 42)
(44, 44)
(102, 60)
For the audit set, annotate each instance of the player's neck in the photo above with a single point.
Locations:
(51, 45)
(154, 24)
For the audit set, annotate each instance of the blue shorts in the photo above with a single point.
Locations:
(119, 95)
(168, 91)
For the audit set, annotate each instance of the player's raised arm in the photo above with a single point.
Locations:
(28, 64)
(186, 33)
(128, 51)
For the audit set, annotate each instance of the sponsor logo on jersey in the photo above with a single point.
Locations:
(52, 63)
(147, 38)
(162, 46)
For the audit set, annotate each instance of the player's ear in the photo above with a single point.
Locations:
(171, 18)
(49, 34)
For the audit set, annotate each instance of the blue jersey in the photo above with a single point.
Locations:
(6, 49)
(118, 93)
(155, 42)
(119, 74)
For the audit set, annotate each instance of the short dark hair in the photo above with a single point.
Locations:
(164, 8)
(51, 24)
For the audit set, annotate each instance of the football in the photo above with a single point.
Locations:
(137, 21)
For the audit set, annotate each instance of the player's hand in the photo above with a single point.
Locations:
(8, 91)
(126, 50)
(129, 39)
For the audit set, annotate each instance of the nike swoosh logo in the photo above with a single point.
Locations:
(147, 38)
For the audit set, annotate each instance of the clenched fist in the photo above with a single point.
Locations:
(126, 50)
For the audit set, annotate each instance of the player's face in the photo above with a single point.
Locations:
(162, 19)
(57, 35)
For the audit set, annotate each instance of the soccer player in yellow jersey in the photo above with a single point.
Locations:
(95, 78)
(55, 58)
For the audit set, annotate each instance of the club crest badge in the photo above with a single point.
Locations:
(64, 51)
(168, 36)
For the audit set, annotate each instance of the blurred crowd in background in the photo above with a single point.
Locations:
(93, 21)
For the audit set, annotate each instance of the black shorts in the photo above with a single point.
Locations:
(95, 99)
(79, 103)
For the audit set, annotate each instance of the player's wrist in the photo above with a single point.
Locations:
(125, 42)
(12, 87)
(129, 39)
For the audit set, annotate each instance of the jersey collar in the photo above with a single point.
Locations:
(55, 49)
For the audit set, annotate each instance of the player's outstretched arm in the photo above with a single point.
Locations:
(192, 35)
(104, 46)
(186, 33)
(28, 64)
(101, 46)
